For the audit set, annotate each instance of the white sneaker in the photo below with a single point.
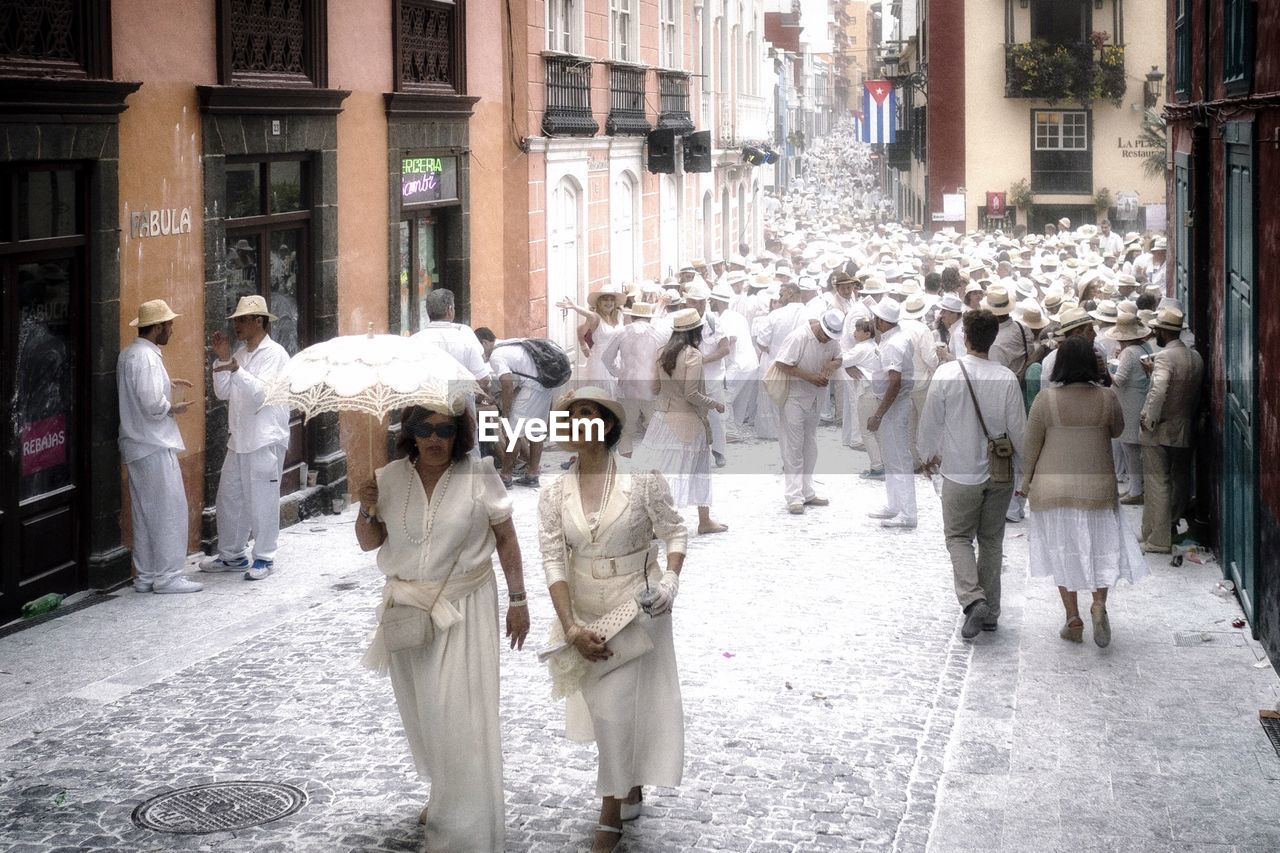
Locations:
(217, 564)
(882, 513)
(901, 521)
(177, 585)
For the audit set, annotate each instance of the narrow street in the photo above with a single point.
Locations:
(830, 703)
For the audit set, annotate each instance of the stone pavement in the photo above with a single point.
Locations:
(829, 703)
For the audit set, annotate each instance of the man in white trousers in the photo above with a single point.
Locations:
(808, 356)
(892, 383)
(715, 347)
(248, 498)
(632, 357)
(149, 445)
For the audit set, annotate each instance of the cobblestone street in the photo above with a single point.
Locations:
(830, 703)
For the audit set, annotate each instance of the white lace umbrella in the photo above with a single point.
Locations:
(370, 373)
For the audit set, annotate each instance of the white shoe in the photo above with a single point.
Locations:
(1013, 518)
(901, 521)
(882, 513)
(177, 585)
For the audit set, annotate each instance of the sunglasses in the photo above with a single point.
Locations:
(426, 430)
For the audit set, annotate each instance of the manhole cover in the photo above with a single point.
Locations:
(219, 807)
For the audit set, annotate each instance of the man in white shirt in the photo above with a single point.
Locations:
(715, 348)
(1108, 240)
(892, 383)
(741, 363)
(924, 352)
(808, 356)
(632, 357)
(149, 445)
(454, 338)
(521, 396)
(953, 443)
(248, 497)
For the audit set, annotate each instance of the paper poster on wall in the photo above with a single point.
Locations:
(953, 206)
(44, 444)
(1156, 217)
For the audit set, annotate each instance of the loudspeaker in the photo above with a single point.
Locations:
(662, 151)
(697, 152)
(770, 156)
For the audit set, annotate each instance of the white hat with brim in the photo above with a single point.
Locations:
(697, 290)
(887, 309)
(608, 290)
(832, 322)
(1030, 315)
(1106, 312)
(1128, 328)
(152, 312)
(596, 395)
(686, 320)
(252, 306)
(914, 307)
(1170, 319)
(640, 309)
(1070, 319)
(874, 286)
(997, 301)
(722, 292)
(951, 302)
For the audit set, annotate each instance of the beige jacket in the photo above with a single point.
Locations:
(1174, 396)
(683, 395)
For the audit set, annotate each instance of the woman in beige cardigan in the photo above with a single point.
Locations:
(1077, 534)
(678, 440)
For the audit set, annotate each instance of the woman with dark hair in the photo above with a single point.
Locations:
(597, 526)
(678, 441)
(443, 513)
(1078, 536)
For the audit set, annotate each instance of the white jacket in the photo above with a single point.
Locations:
(144, 390)
(250, 425)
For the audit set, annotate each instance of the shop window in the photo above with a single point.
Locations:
(430, 46)
(280, 43)
(55, 38)
(1061, 159)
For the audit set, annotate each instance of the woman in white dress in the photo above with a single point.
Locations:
(597, 527)
(1078, 536)
(436, 517)
(601, 323)
(1131, 384)
(678, 440)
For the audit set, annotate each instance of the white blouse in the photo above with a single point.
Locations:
(457, 525)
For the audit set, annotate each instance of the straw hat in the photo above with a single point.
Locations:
(1030, 315)
(914, 307)
(686, 320)
(1070, 319)
(697, 289)
(997, 300)
(887, 309)
(1106, 312)
(951, 303)
(1128, 328)
(639, 309)
(722, 292)
(152, 312)
(596, 395)
(875, 286)
(608, 290)
(252, 306)
(1169, 318)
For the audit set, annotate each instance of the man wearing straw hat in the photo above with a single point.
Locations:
(808, 356)
(891, 382)
(632, 358)
(248, 499)
(149, 445)
(1167, 422)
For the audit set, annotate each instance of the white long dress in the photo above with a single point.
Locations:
(633, 713)
(595, 372)
(447, 691)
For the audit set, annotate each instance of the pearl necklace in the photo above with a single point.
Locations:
(441, 485)
(594, 526)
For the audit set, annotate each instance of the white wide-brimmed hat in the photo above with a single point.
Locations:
(1169, 318)
(914, 307)
(252, 306)
(1106, 312)
(151, 312)
(1072, 318)
(832, 322)
(1128, 328)
(887, 309)
(596, 395)
(1030, 315)
(997, 300)
(608, 290)
(639, 309)
(951, 302)
(722, 292)
(686, 320)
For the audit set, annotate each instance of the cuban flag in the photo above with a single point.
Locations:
(857, 126)
(879, 112)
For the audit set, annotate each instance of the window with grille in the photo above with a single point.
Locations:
(1182, 49)
(1062, 131)
(429, 46)
(669, 33)
(622, 30)
(272, 43)
(564, 26)
(55, 38)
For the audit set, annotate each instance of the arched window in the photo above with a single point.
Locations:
(726, 226)
(566, 251)
(623, 252)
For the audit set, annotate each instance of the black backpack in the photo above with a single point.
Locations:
(549, 359)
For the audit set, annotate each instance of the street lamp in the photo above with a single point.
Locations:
(1151, 88)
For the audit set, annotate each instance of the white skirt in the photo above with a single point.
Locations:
(685, 464)
(635, 716)
(1084, 549)
(447, 693)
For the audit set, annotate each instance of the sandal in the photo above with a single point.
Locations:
(1101, 627)
(714, 528)
(1073, 630)
(612, 830)
(631, 811)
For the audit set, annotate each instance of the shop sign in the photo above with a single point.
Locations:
(1136, 147)
(44, 444)
(428, 179)
(159, 223)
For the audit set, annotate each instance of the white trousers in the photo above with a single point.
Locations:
(1133, 463)
(798, 439)
(634, 410)
(895, 450)
(248, 502)
(158, 504)
(866, 405)
(715, 390)
(742, 394)
(918, 395)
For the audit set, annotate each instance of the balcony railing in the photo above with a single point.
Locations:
(752, 119)
(898, 154)
(673, 101)
(568, 110)
(626, 101)
(1081, 72)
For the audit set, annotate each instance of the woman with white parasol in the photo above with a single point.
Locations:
(436, 516)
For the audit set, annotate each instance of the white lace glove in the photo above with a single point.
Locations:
(667, 589)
